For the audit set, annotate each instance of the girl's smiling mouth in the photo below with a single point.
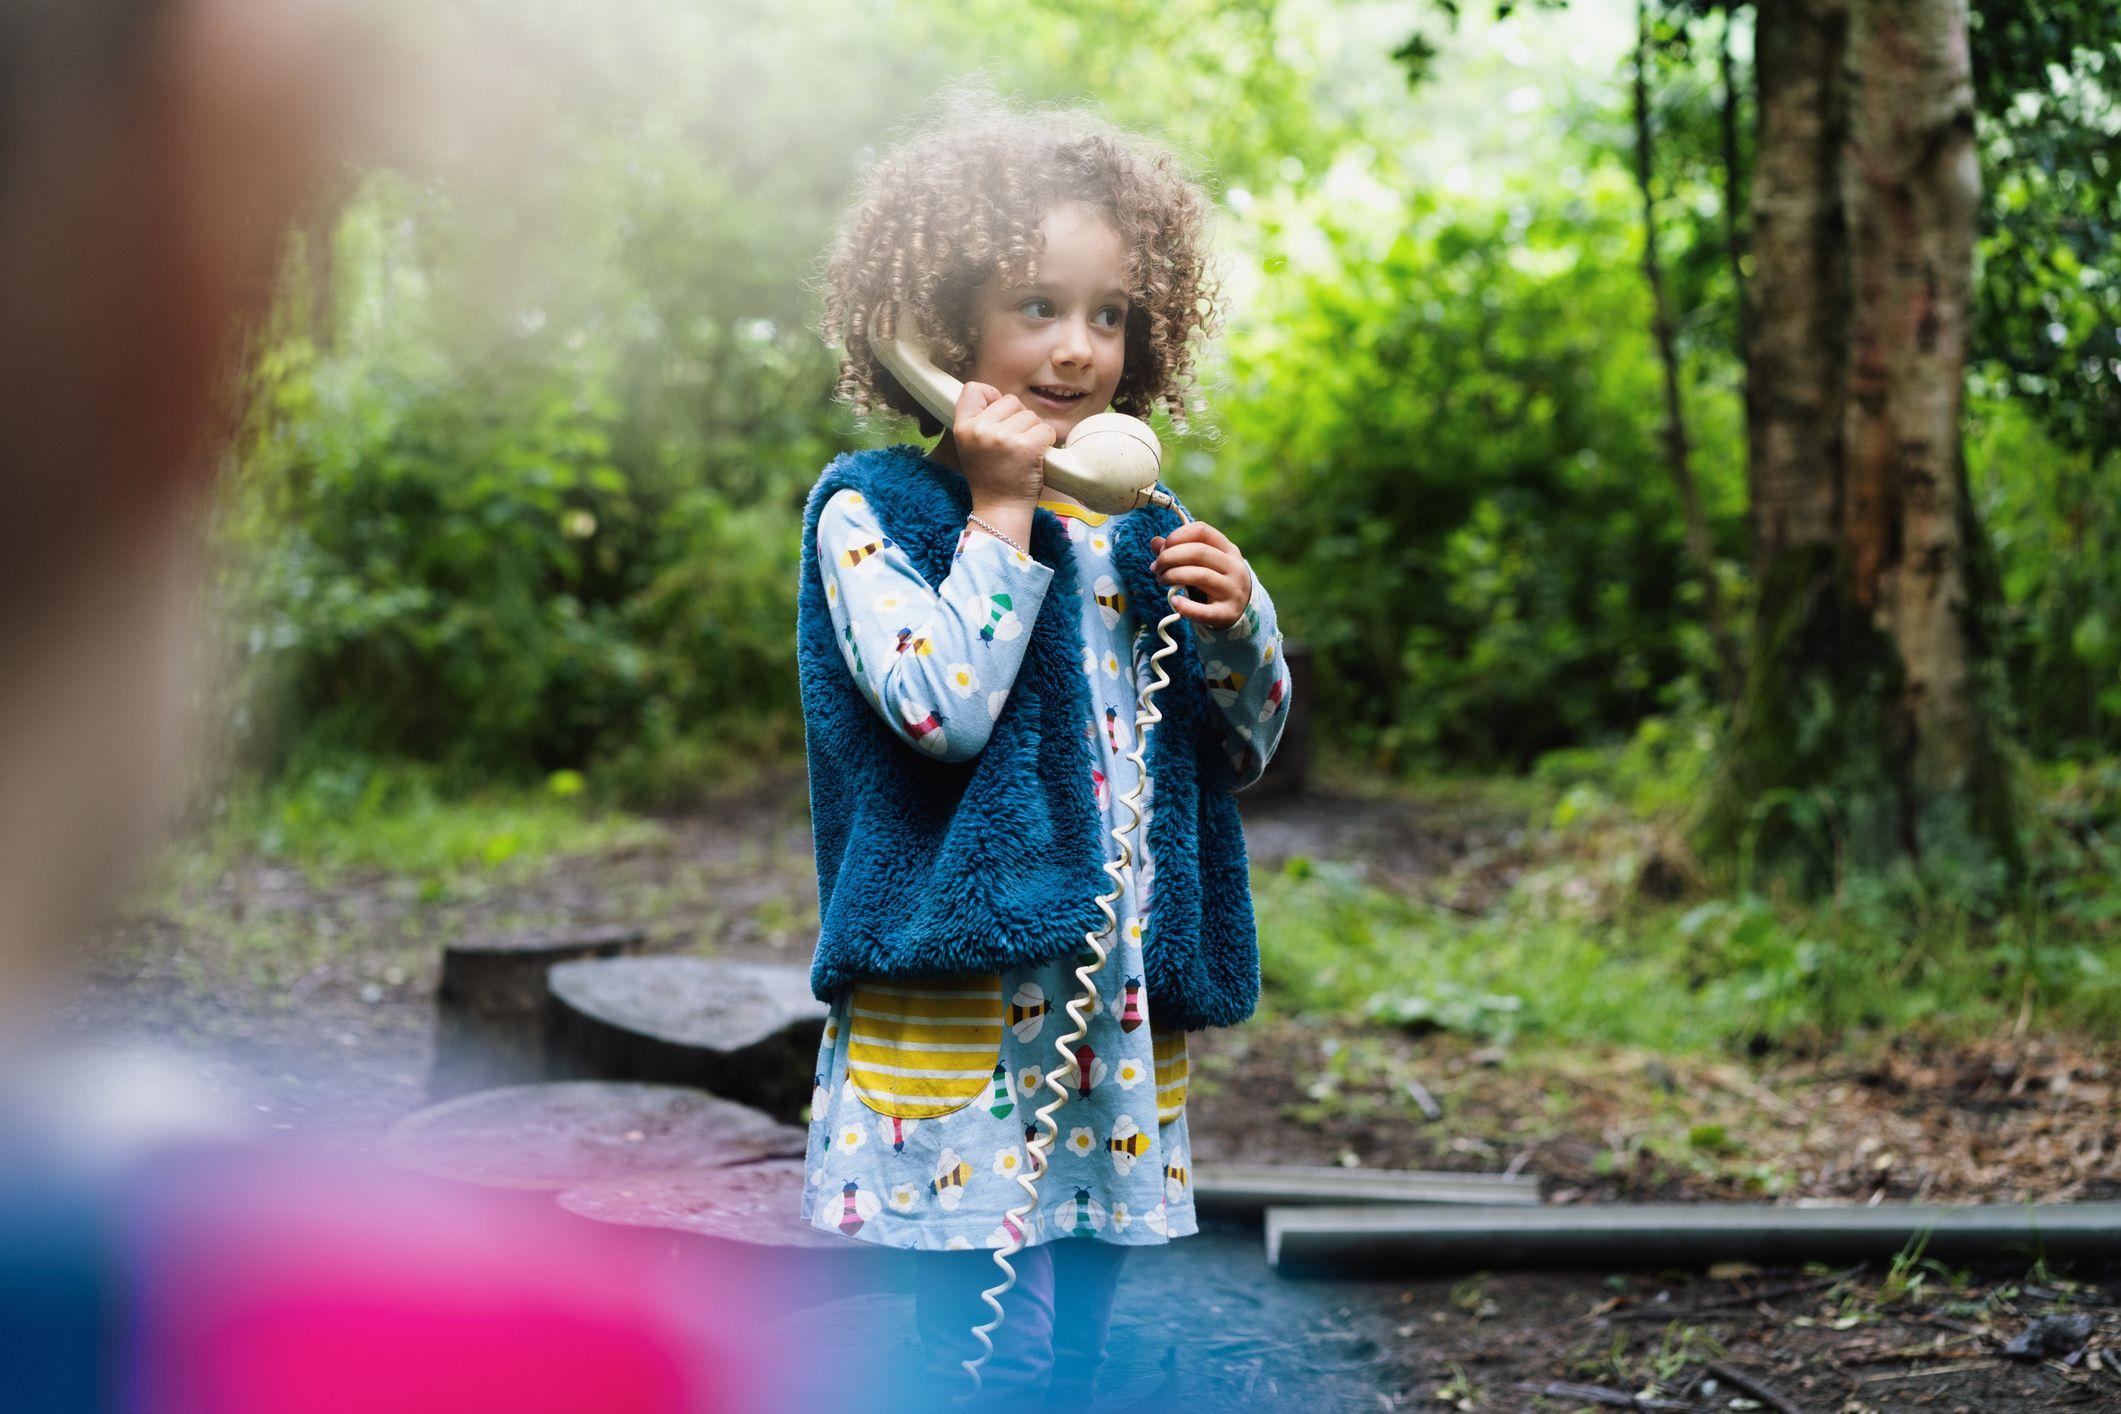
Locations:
(1058, 398)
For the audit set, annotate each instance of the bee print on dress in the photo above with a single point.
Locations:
(951, 1175)
(1089, 1072)
(1126, 1145)
(1223, 684)
(926, 732)
(1003, 1101)
(1027, 1012)
(861, 551)
(893, 1131)
(1097, 786)
(1002, 623)
(1113, 729)
(1010, 1231)
(856, 1207)
(1175, 1178)
(854, 646)
(1130, 1007)
(920, 642)
(1110, 602)
(1275, 694)
(1079, 1216)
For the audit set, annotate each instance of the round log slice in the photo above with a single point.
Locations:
(490, 1005)
(757, 1203)
(558, 1134)
(745, 1031)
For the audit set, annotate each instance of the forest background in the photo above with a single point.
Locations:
(509, 536)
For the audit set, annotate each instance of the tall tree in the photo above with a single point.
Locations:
(1869, 730)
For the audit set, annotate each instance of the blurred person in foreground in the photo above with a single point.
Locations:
(151, 153)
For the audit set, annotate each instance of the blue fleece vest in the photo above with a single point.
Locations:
(929, 867)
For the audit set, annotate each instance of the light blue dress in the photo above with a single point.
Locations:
(926, 1093)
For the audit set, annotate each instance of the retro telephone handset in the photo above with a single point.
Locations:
(1109, 465)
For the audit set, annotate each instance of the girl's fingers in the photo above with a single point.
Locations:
(1211, 614)
(1215, 581)
(1195, 553)
(1196, 531)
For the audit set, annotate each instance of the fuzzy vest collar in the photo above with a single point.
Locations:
(929, 867)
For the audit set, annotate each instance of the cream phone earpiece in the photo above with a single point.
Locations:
(1109, 464)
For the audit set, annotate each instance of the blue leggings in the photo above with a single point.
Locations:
(1054, 1322)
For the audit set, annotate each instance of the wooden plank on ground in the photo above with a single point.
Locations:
(1370, 1240)
(1248, 1190)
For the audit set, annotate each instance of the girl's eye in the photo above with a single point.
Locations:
(1037, 308)
(1118, 316)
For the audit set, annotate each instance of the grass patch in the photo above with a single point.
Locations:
(1580, 949)
(363, 816)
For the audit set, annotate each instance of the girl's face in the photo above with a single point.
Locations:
(1060, 342)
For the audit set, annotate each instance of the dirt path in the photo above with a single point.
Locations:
(306, 1010)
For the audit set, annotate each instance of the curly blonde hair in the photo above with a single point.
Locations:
(962, 199)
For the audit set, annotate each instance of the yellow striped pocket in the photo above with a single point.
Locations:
(924, 1049)
(1172, 1069)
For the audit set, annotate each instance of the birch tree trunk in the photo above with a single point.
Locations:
(1869, 730)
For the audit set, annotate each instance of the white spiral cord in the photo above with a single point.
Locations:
(1120, 870)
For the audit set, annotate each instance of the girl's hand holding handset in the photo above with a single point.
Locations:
(1202, 557)
(1001, 448)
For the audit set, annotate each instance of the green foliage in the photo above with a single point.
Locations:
(1439, 431)
(521, 481)
(2054, 524)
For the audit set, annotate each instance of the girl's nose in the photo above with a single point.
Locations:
(1074, 345)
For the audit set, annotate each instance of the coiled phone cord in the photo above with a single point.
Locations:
(1146, 717)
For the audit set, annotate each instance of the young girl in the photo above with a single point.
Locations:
(972, 649)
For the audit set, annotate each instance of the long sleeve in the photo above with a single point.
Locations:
(1248, 679)
(936, 664)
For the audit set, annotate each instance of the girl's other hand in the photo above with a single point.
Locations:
(1202, 557)
(1001, 444)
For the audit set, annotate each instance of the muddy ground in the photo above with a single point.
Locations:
(307, 1007)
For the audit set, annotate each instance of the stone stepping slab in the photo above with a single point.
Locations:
(745, 1031)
